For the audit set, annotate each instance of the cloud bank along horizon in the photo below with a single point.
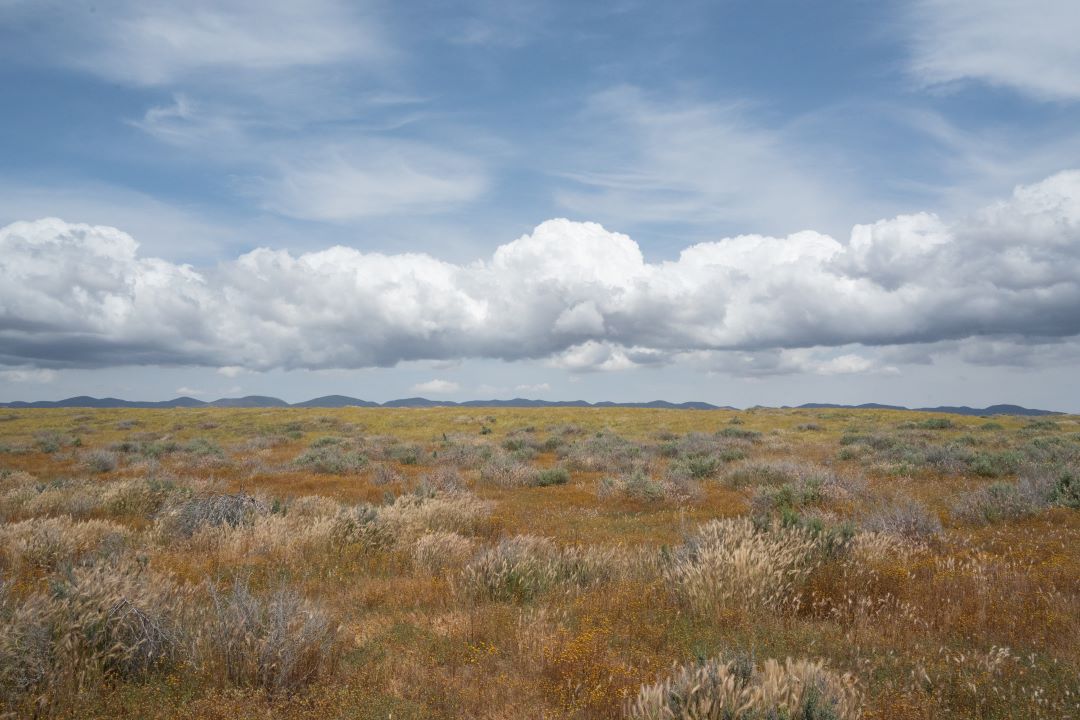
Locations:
(574, 295)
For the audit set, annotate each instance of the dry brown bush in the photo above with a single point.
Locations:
(281, 643)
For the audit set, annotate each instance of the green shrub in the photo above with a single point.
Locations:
(406, 454)
(740, 434)
(550, 476)
(994, 465)
(1067, 489)
(331, 460)
(636, 484)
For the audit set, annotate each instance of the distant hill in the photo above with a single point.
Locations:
(418, 402)
(338, 401)
(82, 401)
(951, 409)
(250, 401)
(335, 401)
(991, 410)
(864, 406)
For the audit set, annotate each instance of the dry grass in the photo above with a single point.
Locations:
(733, 690)
(556, 563)
(736, 565)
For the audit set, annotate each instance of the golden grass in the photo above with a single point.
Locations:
(410, 568)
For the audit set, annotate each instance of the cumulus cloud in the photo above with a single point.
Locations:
(436, 386)
(846, 360)
(192, 392)
(575, 294)
(1028, 46)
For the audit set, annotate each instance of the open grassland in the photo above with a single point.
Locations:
(558, 563)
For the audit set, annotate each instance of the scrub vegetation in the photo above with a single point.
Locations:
(555, 563)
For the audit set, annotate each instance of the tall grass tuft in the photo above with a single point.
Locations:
(281, 643)
(734, 564)
(725, 690)
(116, 620)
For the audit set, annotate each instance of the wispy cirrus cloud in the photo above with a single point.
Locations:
(1026, 46)
(646, 159)
(155, 42)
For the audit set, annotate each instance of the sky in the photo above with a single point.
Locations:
(740, 202)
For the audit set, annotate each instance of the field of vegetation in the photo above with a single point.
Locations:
(555, 563)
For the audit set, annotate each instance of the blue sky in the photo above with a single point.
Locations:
(238, 142)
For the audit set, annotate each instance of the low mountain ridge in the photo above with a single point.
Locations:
(339, 401)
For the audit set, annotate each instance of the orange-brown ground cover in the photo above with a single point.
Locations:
(375, 563)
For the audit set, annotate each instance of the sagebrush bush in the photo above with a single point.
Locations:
(443, 479)
(463, 453)
(637, 484)
(406, 454)
(736, 564)
(602, 452)
(1067, 489)
(906, 517)
(720, 689)
(753, 474)
(185, 518)
(384, 474)
(546, 477)
(331, 459)
(1007, 501)
(695, 467)
(50, 441)
(99, 461)
(505, 471)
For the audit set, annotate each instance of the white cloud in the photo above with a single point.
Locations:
(231, 371)
(189, 392)
(593, 355)
(440, 387)
(575, 294)
(358, 180)
(845, 360)
(645, 160)
(1028, 46)
(174, 232)
(537, 388)
(28, 375)
(155, 42)
(309, 172)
